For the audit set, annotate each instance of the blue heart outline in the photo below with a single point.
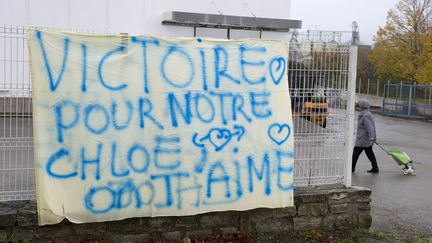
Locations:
(281, 63)
(280, 128)
(222, 134)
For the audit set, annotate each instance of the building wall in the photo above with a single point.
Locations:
(136, 16)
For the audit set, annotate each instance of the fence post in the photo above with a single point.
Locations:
(349, 135)
(388, 88)
(368, 86)
(430, 93)
(359, 86)
(384, 98)
(378, 88)
(386, 92)
(410, 95)
(400, 97)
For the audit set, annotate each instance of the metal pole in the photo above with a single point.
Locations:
(349, 136)
(410, 99)
(430, 93)
(386, 94)
(377, 88)
(424, 102)
(388, 88)
(383, 99)
(359, 86)
(400, 96)
(368, 86)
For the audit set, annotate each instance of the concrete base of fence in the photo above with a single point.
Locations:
(326, 208)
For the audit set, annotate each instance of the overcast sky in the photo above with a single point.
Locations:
(339, 14)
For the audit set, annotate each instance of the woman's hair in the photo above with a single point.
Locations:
(363, 104)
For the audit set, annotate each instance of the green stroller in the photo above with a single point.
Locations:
(401, 159)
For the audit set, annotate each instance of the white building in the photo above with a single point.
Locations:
(139, 16)
(135, 17)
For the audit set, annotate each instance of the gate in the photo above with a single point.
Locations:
(321, 76)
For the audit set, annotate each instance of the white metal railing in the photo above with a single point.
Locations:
(321, 75)
(17, 180)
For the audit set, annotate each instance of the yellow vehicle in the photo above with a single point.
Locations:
(316, 112)
(308, 94)
(312, 106)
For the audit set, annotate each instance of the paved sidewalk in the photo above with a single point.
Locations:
(400, 203)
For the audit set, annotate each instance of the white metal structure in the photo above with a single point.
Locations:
(321, 75)
(16, 140)
(321, 71)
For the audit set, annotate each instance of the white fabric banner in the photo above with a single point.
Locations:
(148, 126)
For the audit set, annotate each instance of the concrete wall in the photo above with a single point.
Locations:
(326, 208)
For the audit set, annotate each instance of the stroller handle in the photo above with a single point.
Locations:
(381, 147)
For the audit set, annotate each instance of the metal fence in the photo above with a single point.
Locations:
(397, 98)
(373, 87)
(16, 140)
(370, 87)
(320, 73)
(407, 100)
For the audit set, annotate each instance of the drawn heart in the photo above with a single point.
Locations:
(279, 133)
(277, 69)
(219, 137)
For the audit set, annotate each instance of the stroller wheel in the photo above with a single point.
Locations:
(405, 171)
(411, 170)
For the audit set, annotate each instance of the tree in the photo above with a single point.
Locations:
(401, 49)
(424, 74)
(365, 69)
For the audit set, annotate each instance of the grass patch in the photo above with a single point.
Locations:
(385, 236)
(359, 236)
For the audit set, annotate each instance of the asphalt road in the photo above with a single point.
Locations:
(400, 203)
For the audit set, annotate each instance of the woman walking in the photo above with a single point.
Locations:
(366, 137)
